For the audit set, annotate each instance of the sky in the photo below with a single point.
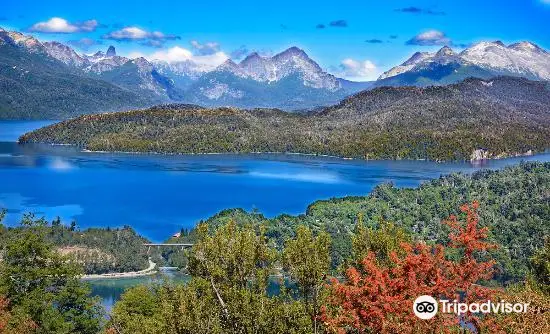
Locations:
(353, 39)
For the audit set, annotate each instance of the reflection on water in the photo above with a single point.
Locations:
(110, 290)
(300, 177)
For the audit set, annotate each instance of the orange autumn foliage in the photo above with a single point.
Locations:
(379, 299)
(25, 326)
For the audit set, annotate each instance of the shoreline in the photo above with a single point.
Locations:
(130, 274)
(499, 156)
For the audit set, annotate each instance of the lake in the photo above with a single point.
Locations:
(110, 290)
(159, 194)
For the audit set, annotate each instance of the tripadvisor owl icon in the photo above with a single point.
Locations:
(425, 307)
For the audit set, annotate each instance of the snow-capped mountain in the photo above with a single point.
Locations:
(293, 61)
(186, 68)
(35, 84)
(484, 59)
(138, 75)
(101, 62)
(134, 74)
(288, 80)
(182, 73)
(521, 59)
(254, 67)
(150, 79)
(416, 58)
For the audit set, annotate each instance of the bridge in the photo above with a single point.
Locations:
(166, 245)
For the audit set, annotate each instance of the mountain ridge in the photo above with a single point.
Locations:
(288, 80)
(37, 86)
(483, 60)
(475, 118)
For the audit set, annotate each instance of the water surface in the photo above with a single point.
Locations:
(110, 290)
(159, 194)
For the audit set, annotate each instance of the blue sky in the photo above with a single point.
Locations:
(357, 39)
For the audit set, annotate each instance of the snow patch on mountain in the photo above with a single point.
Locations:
(186, 68)
(289, 62)
(524, 59)
(416, 58)
(521, 59)
(101, 62)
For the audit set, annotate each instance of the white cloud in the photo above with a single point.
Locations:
(356, 70)
(84, 43)
(178, 54)
(60, 25)
(206, 48)
(128, 33)
(154, 38)
(173, 54)
(430, 37)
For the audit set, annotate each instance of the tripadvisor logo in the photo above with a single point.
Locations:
(426, 307)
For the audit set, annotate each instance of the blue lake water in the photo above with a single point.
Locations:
(159, 194)
(110, 290)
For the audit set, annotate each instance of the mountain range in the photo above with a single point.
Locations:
(482, 60)
(52, 80)
(35, 85)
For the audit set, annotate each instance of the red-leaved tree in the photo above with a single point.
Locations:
(22, 326)
(379, 299)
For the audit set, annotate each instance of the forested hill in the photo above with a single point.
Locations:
(503, 116)
(514, 203)
(34, 86)
(98, 250)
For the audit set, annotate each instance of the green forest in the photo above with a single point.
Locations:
(347, 265)
(98, 250)
(507, 118)
(514, 202)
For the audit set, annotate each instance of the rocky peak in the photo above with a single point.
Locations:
(416, 58)
(57, 45)
(228, 64)
(294, 54)
(21, 40)
(142, 63)
(445, 51)
(292, 51)
(526, 46)
(253, 57)
(111, 51)
(64, 54)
